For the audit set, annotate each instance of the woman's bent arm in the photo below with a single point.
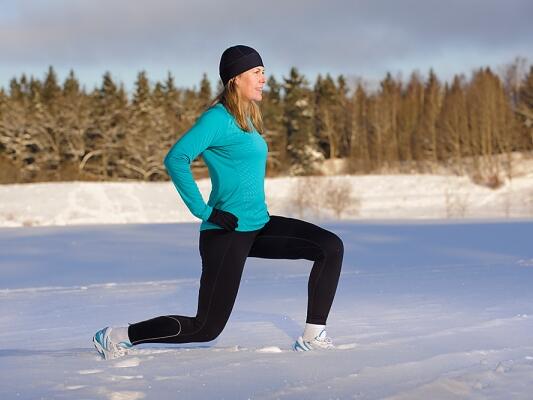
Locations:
(204, 133)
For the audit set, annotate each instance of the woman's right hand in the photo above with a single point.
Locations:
(222, 218)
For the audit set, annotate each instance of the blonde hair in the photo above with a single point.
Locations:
(242, 110)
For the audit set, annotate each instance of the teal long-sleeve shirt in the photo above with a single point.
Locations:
(236, 161)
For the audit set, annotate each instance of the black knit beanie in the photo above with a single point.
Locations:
(237, 59)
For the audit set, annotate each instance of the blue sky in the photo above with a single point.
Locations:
(356, 38)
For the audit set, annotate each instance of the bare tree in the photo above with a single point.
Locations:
(307, 195)
(338, 196)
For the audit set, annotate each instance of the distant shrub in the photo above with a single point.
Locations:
(338, 196)
(312, 193)
(492, 181)
(455, 202)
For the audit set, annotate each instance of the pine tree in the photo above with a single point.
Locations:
(173, 112)
(272, 110)
(105, 139)
(298, 120)
(72, 121)
(173, 105)
(13, 138)
(343, 117)
(8, 170)
(385, 121)
(205, 95)
(15, 90)
(46, 129)
(51, 90)
(325, 94)
(360, 159)
(220, 86)
(409, 117)
(426, 146)
(147, 124)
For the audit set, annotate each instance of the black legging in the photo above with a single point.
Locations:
(223, 256)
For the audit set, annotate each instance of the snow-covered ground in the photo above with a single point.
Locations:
(424, 310)
(373, 197)
(434, 302)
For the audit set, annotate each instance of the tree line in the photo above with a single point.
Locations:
(59, 131)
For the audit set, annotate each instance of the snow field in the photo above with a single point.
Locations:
(424, 309)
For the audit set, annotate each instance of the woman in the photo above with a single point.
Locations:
(235, 221)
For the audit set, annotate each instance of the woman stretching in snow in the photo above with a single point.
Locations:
(235, 221)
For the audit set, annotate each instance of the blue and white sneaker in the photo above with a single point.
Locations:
(106, 347)
(322, 341)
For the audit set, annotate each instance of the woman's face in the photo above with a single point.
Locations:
(250, 83)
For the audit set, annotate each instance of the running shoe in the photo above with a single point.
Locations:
(322, 341)
(106, 347)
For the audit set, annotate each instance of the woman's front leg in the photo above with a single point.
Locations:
(289, 238)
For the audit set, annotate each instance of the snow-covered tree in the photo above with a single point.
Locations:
(302, 147)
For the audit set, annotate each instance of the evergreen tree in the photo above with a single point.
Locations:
(158, 94)
(385, 121)
(3, 108)
(173, 105)
(12, 132)
(298, 120)
(71, 86)
(360, 159)
(220, 86)
(141, 96)
(50, 131)
(51, 90)
(329, 116)
(147, 125)
(343, 117)
(272, 110)
(73, 120)
(105, 139)
(174, 111)
(25, 86)
(15, 90)
(45, 137)
(426, 141)
(205, 96)
(408, 120)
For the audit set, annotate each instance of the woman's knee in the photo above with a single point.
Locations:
(210, 328)
(333, 245)
(210, 333)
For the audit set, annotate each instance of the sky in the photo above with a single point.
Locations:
(361, 39)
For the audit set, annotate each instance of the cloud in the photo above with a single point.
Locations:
(334, 35)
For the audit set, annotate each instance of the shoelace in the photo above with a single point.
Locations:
(324, 338)
(119, 350)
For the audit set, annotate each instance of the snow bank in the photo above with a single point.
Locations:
(373, 197)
